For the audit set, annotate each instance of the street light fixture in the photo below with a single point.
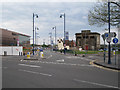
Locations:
(34, 15)
(63, 15)
(109, 48)
(54, 28)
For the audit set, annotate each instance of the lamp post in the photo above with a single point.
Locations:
(36, 28)
(63, 15)
(34, 15)
(109, 48)
(55, 33)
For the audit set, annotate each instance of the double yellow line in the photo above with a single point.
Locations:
(92, 63)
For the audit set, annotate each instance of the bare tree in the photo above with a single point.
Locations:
(99, 14)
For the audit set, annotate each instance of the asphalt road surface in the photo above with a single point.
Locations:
(55, 71)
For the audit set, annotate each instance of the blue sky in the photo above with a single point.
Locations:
(17, 16)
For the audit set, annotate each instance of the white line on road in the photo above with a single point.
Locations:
(60, 62)
(4, 67)
(95, 83)
(35, 72)
(49, 56)
(28, 65)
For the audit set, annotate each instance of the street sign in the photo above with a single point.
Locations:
(108, 39)
(103, 36)
(106, 34)
(115, 40)
(112, 34)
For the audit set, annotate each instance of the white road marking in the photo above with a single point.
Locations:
(72, 57)
(61, 63)
(49, 56)
(35, 72)
(62, 60)
(3, 67)
(28, 65)
(95, 83)
(75, 57)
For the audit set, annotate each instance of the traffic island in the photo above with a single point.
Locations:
(31, 58)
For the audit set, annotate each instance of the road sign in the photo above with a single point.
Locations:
(112, 34)
(103, 36)
(108, 39)
(115, 40)
(106, 34)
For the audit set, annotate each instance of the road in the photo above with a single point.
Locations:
(55, 71)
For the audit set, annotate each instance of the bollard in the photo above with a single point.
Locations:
(28, 55)
(5, 53)
(19, 53)
(24, 53)
(41, 54)
(114, 52)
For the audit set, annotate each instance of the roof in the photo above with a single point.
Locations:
(15, 32)
(89, 33)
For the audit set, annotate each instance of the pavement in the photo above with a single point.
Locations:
(56, 71)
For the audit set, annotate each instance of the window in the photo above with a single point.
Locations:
(14, 34)
(92, 37)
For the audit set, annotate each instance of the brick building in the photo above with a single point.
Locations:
(88, 40)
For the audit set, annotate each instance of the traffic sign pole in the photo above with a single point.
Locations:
(115, 53)
(109, 48)
(115, 40)
(104, 50)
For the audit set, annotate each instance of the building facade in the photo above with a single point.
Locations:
(88, 40)
(10, 38)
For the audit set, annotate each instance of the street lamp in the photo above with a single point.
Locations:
(36, 28)
(34, 15)
(55, 33)
(63, 15)
(109, 48)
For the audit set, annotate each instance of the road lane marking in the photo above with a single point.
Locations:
(75, 57)
(61, 63)
(98, 84)
(44, 74)
(62, 60)
(28, 65)
(3, 67)
(49, 56)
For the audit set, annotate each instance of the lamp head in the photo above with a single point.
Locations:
(36, 16)
(60, 16)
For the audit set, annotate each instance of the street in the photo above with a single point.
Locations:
(55, 71)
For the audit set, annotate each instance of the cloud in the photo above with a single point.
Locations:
(18, 17)
(49, 0)
(84, 17)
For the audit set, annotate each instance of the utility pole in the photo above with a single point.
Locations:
(55, 33)
(33, 29)
(64, 29)
(109, 47)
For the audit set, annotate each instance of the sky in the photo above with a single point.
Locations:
(17, 16)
